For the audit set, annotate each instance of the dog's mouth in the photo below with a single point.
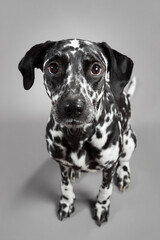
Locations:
(73, 124)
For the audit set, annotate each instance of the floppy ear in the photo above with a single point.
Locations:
(120, 68)
(32, 59)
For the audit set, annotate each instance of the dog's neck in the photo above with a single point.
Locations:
(77, 136)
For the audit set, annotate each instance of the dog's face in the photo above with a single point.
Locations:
(75, 76)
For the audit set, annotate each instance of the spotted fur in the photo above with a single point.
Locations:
(89, 126)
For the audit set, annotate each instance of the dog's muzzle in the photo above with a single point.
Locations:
(73, 108)
(73, 111)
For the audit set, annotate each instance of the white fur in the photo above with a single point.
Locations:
(109, 154)
(74, 43)
(80, 162)
(132, 87)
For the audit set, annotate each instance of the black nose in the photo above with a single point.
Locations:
(73, 107)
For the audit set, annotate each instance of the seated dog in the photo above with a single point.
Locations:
(89, 126)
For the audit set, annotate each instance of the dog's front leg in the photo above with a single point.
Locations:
(66, 205)
(101, 210)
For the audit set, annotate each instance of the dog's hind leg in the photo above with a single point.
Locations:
(66, 205)
(123, 174)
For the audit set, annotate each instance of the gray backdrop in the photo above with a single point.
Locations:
(29, 180)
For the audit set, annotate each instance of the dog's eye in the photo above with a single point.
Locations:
(53, 68)
(96, 69)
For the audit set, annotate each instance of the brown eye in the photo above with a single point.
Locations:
(96, 69)
(53, 68)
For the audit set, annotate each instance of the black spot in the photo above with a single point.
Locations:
(103, 202)
(65, 181)
(133, 136)
(65, 143)
(125, 177)
(96, 152)
(90, 130)
(124, 109)
(57, 139)
(126, 142)
(108, 118)
(127, 132)
(68, 156)
(64, 197)
(108, 141)
(107, 176)
(63, 206)
(80, 153)
(125, 168)
(93, 165)
(113, 137)
(57, 128)
(108, 163)
(98, 134)
(92, 151)
(50, 126)
(56, 152)
(118, 179)
(123, 155)
(113, 125)
(102, 117)
(98, 104)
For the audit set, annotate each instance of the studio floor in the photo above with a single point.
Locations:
(30, 190)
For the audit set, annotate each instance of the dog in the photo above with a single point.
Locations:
(89, 126)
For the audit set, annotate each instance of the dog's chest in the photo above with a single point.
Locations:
(83, 151)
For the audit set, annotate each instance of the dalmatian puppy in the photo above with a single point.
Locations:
(89, 126)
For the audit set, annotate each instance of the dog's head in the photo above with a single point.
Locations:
(76, 73)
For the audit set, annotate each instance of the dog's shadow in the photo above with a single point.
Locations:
(43, 185)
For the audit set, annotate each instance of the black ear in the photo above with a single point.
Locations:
(32, 59)
(120, 68)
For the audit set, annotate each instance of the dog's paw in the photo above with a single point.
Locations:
(123, 178)
(65, 209)
(101, 213)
